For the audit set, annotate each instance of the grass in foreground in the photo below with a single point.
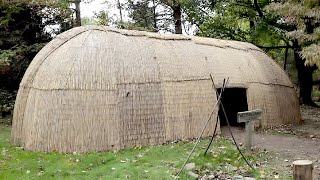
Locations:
(155, 162)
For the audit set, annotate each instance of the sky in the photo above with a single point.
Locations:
(88, 9)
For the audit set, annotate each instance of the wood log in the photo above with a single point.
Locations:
(302, 170)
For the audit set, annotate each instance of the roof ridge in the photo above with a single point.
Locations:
(220, 43)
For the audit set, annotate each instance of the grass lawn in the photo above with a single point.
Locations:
(155, 162)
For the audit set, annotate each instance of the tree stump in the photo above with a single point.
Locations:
(302, 170)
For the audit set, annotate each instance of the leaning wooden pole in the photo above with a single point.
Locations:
(302, 170)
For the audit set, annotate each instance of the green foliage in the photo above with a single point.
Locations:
(6, 57)
(6, 101)
(142, 15)
(239, 20)
(88, 21)
(10, 56)
(8, 11)
(312, 54)
(149, 15)
(14, 61)
(235, 20)
(25, 27)
(154, 162)
(102, 18)
(316, 93)
(304, 16)
(271, 26)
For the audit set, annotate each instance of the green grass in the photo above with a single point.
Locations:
(155, 162)
(316, 93)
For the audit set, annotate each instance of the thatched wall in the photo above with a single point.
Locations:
(96, 88)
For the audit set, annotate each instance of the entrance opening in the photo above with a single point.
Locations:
(234, 100)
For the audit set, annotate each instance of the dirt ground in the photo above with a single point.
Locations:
(289, 143)
(311, 124)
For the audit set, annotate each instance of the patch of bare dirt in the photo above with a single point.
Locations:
(311, 122)
(289, 143)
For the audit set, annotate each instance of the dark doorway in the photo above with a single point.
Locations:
(234, 100)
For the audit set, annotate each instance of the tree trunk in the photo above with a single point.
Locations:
(78, 16)
(256, 5)
(154, 16)
(305, 79)
(120, 12)
(252, 25)
(177, 19)
(285, 60)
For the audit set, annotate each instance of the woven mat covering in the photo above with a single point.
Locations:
(96, 88)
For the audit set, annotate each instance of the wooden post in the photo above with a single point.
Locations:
(248, 136)
(302, 170)
(248, 117)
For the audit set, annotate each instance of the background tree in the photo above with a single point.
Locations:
(176, 6)
(149, 15)
(102, 18)
(24, 29)
(275, 27)
(160, 13)
(143, 14)
(304, 18)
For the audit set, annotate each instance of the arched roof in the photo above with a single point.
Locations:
(99, 58)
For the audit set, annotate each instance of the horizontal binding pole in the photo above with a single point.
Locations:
(247, 116)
